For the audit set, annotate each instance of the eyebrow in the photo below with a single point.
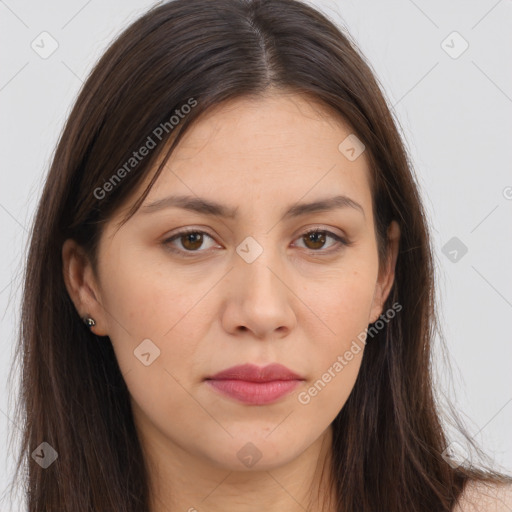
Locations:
(209, 207)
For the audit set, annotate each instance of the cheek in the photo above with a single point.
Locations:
(343, 302)
(140, 304)
(335, 359)
(155, 331)
(325, 395)
(343, 308)
(143, 300)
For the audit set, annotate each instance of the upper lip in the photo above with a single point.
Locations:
(253, 373)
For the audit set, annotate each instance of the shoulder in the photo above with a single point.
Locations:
(485, 497)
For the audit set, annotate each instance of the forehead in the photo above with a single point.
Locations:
(270, 124)
(283, 141)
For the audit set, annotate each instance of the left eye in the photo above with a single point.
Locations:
(192, 240)
(318, 237)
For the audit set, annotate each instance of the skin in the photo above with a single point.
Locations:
(214, 310)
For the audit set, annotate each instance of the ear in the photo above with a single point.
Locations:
(387, 273)
(81, 284)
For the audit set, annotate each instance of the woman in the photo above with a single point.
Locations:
(229, 292)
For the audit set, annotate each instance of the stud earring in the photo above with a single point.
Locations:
(90, 322)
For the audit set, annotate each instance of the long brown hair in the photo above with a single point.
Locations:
(388, 438)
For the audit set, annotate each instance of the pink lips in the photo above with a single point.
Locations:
(255, 385)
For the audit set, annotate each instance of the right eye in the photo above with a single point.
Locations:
(190, 240)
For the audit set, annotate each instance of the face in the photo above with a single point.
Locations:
(254, 287)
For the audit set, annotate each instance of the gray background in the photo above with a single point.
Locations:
(455, 112)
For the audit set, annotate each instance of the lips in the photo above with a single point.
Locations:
(253, 373)
(255, 385)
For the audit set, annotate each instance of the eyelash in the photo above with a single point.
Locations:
(343, 242)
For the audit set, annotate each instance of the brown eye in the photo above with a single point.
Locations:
(316, 238)
(192, 241)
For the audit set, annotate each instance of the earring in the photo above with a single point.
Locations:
(89, 321)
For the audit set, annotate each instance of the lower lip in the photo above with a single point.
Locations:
(256, 393)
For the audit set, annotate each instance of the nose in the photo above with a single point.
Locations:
(259, 299)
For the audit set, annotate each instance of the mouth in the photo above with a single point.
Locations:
(255, 385)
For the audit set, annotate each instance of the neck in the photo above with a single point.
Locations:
(181, 482)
